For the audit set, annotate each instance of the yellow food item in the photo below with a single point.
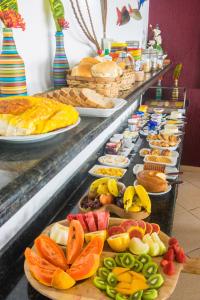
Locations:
(128, 197)
(113, 187)
(131, 288)
(102, 189)
(118, 270)
(144, 197)
(24, 115)
(61, 280)
(90, 235)
(135, 208)
(117, 172)
(159, 159)
(125, 277)
(119, 242)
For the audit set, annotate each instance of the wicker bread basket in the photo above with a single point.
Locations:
(108, 87)
(127, 80)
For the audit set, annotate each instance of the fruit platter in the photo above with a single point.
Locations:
(108, 194)
(69, 261)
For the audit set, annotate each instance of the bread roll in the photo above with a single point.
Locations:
(152, 181)
(90, 60)
(83, 70)
(106, 69)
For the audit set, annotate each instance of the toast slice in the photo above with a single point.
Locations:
(77, 99)
(95, 100)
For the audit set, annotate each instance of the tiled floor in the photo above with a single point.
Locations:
(187, 229)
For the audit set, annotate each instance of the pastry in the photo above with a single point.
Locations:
(152, 181)
(109, 69)
(158, 159)
(23, 115)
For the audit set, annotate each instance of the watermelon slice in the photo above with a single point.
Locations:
(156, 228)
(149, 228)
(71, 217)
(102, 219)
(142, 225)
(90, 221)
(136, 233)
(129, 223)
(80, 218)
(115, 230)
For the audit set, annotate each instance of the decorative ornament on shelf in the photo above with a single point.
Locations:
(60, 63)
(176, 76)
(12, 68)
(156, 42)
(91, 35)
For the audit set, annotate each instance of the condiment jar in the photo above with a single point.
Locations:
(154, 58)
(146, 61)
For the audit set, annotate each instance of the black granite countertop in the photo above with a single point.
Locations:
(17, 287)
(26, 168)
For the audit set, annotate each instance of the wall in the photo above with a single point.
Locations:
(37, 45)
(179, 22)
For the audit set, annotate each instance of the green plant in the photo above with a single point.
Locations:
(8, 4)
(58, 12)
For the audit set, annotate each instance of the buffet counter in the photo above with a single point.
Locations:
(44, 181)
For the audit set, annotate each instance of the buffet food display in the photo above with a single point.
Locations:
(118, 258)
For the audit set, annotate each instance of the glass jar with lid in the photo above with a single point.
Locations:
(154, 59)
(127, 59)
(146, 61)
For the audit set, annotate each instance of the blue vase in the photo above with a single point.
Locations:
(60, 64)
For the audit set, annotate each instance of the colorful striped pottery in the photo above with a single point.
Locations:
(12, 69)
(60, 64)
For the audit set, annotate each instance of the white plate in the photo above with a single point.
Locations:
(175, 133)
(101, 112)
(140, 167)
(156, 194)
(102, 160)
(170, 118)
(175, 154)
(172, 164)
(37, 137)
(164, 148)
(95, 167)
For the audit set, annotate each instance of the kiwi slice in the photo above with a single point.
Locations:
(128, 260)
(150, 294)
(136, 296)
(138, 266)
(118, 259)
(155, 281)
(149, 269)
(144, 258)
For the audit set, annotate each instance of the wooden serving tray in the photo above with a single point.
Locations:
(116, 210)
(85, 290)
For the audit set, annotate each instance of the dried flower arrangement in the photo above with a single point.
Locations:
(58, 12)
(10, 16)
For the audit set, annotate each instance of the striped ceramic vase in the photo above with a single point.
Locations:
(60, 64)
(12, 69)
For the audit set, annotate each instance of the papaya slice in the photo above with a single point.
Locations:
(49, 250)
(33, 259)
(75, 241)
(44, 276)
(85, 267)
(95, 246)
(61, 280)
(40, 269)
